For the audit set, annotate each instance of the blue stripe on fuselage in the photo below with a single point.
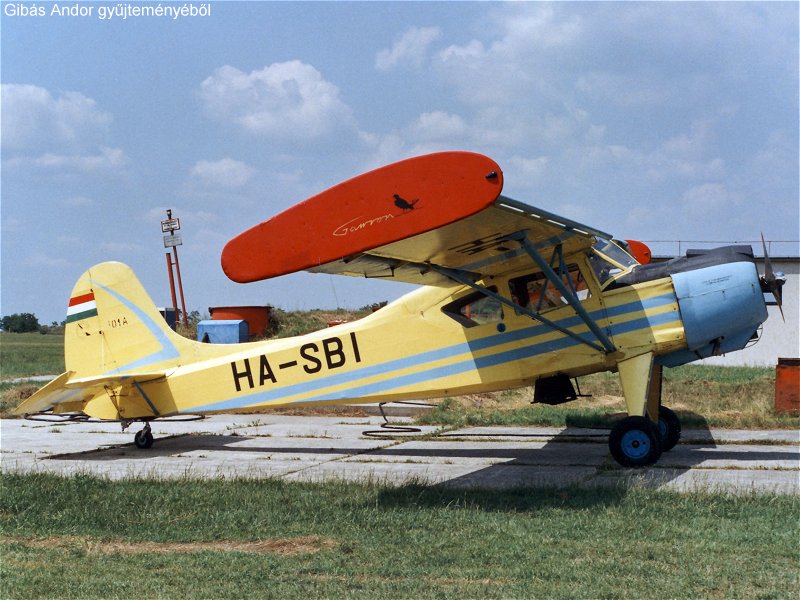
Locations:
(483, 362)
(419, 360)
(167, 351)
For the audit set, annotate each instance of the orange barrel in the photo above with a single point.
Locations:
(787, 386)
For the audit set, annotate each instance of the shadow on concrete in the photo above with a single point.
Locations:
(553, 453)
(163, 447)
(583, 444)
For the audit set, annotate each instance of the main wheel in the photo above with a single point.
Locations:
(635, 442)
(669, 428)
(143, 439)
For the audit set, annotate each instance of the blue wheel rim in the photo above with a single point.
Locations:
(635, 444)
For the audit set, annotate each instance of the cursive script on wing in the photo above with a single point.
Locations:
(357, 224)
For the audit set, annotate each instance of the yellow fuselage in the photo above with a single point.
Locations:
(410, 349)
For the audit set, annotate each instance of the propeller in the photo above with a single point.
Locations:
(771, 281)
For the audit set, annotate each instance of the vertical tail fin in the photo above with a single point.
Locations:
(113, 326)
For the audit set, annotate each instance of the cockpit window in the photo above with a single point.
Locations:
(536, 292)
(614, 252)
(609, 260)
(475, 309)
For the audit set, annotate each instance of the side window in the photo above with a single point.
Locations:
(579, 285)
(475, 309)
(537, 293)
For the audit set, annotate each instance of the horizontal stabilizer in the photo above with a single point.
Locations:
(128, 379)
(53, 394)
(71, 395)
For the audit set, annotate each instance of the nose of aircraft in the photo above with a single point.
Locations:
(721, 306)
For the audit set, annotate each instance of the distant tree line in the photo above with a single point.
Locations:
(26, 323)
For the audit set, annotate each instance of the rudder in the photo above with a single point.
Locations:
(113, 327)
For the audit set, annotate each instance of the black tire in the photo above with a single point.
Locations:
(143, 439)
(669, 428)
(635, 442)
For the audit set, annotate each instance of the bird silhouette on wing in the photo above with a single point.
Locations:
(403, 203)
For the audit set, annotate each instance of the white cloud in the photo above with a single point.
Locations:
(521, 59)
(104, 160)
(64, 133)
(225, 172)
(709, 199)
(437, 125)
(411, 48)
(34, 119)
(43, 259)
(472, 51)
(286, 100)
(526, 169)
(695, 142)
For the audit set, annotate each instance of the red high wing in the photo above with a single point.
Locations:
(388, 204)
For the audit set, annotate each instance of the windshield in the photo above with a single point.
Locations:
(609, 260)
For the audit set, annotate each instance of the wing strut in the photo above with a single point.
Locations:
(146, 398)
(568, 294)
(461, 277)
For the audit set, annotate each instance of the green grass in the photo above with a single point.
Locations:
(290, 323)
(28, 354)
(87, 537)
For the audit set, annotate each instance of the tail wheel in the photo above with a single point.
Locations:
(669, 428)
(635, 442)
(143, 439)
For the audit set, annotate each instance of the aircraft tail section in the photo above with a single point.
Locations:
(114, 328)
(114, 340)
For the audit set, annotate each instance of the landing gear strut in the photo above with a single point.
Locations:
(638, 441)
(144, 438)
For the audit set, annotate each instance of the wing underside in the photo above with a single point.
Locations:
(483, 245)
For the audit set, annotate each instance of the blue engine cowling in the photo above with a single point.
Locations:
(721, 306)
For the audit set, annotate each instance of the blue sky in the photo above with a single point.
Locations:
(654, 121)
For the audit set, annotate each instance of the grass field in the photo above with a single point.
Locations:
(28, 354)
(90, 538)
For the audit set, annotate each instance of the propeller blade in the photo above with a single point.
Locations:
(773, 283)
(778, 295)
(769, 275)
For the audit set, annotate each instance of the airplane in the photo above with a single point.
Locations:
(510, 296)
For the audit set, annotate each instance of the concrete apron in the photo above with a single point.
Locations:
(333, 447)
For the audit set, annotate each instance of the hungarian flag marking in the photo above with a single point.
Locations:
(81, 307)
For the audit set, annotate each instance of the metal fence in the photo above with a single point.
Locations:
(775, 248)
